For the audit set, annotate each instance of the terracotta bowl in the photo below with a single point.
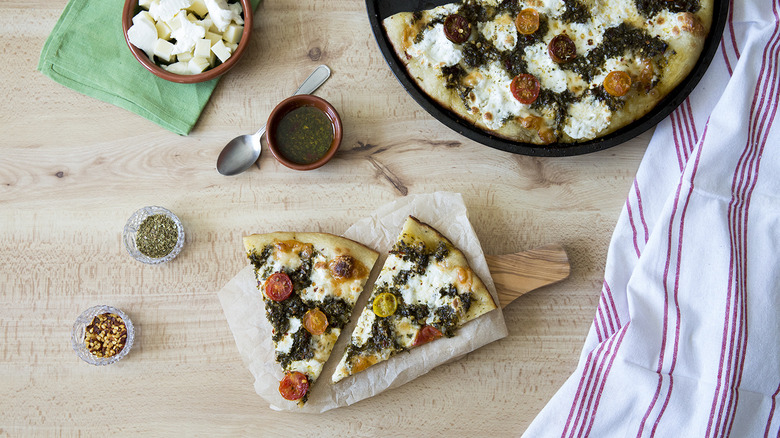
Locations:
(131, 8)
(290, 104)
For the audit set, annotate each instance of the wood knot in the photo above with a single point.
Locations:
(59, 174)
(315, 54)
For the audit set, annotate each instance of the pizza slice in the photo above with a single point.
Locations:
(309, 283)
(426, 290)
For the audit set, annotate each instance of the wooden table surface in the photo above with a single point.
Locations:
(73, 169)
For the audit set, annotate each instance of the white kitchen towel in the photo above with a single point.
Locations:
(686, 337)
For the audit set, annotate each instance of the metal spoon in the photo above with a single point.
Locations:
(242, 152)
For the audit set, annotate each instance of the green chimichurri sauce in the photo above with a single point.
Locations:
(304, 135)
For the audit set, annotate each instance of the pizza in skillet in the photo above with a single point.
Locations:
(551, 71)
(425, 290)
(309, 283)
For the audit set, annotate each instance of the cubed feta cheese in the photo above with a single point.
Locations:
(179, 68)
(236, 9)
(154, 9)
(163, 50)
(198, 65)
(213, 37)
(163, 30)
(143, 35)
(233, 33)
(199, 7)
(186, 56)
(145, 4)
(202, 48)
(222, 52)
(143, 15)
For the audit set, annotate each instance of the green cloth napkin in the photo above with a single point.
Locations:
(87, 52)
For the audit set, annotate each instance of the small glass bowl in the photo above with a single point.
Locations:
(79, 330)
(131, 229)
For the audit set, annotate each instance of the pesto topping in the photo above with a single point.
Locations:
(302, 349)
(417, 253)
(650, 8)
(618, 41)
(575, 12)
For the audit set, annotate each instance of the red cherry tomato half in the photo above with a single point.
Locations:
(525, 88)
(426, 334)
(562, 49)
(294, 385)
(457, 29)
(278, 286)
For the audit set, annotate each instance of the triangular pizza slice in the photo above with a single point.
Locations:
(426, 290)
(309, 283)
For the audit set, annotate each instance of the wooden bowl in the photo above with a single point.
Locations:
(285, 107)
(131, 8)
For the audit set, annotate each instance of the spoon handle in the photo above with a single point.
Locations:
(315, 79)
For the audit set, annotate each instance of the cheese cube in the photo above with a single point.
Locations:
(154, 9)
(198, 64)
(213, 37)
(199, 7)
(192, 18)
(222, 52)
(145, 4)
(179, 68)
(208, 24)
(232, 47)
(143, 34)
(163, 30)
(163, 50)
(143, 15)
(202, 48)
(186, 56)
(177, 21)
(233, 33)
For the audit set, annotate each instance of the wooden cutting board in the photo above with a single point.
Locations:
(521, 272)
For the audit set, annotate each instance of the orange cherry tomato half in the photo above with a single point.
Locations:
(426, 334)
(525, 88)
(617, 83)
(315, 321)
(278, 286)
(527, 21)
(457, 28)
(562, 49)
(294, 385)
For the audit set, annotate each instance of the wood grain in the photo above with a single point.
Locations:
(517, 274)
(73, 169)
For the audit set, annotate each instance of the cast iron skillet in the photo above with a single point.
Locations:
(378, 10)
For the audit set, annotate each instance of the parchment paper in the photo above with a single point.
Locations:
(245, 312)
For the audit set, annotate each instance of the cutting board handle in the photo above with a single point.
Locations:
(521, 272)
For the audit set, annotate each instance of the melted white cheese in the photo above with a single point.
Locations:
(493, 96)
(545, 69)
(363, 327)
(587, 118)
(435, 49)
(551, 8)
(501, 32)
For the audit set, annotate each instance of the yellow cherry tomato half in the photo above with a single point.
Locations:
(315, 321)
(384, 304)
(617, 83)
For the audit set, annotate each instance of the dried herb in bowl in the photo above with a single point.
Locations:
(157, 236)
